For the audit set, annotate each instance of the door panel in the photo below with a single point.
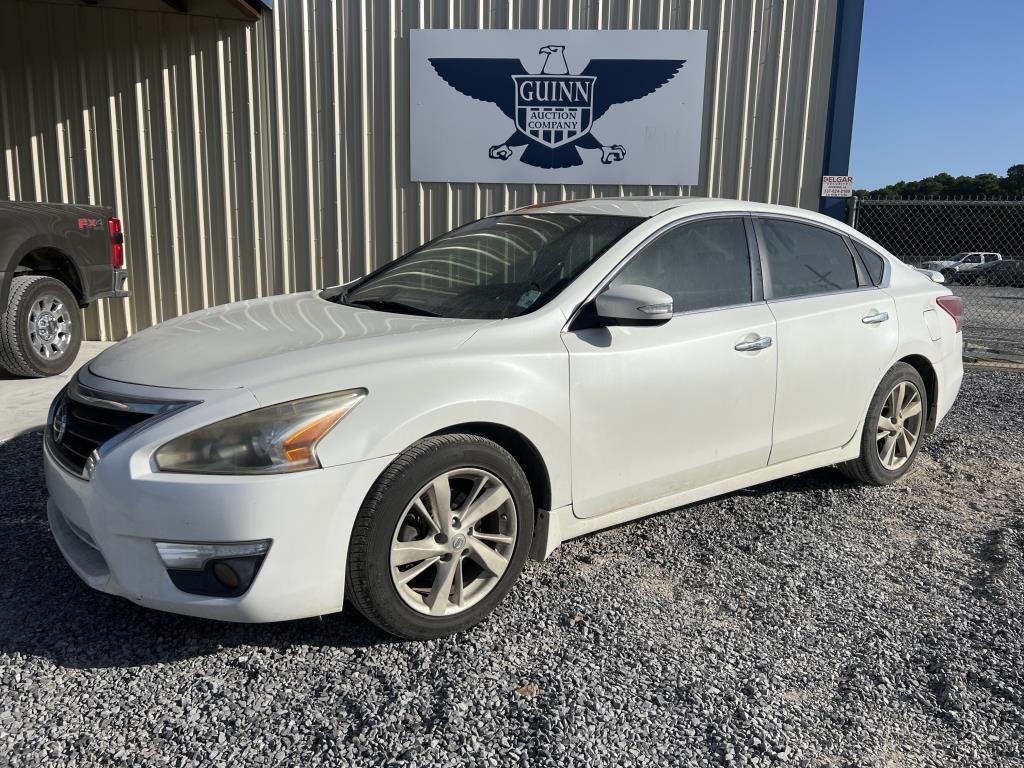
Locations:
(830, 362)
(660, 409)
(835, 335)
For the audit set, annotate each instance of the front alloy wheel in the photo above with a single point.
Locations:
(454, 542)
(441, 537)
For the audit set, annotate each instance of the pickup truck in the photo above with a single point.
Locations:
(962, 262)
(54, 259)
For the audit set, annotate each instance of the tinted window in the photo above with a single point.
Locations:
(701, 265)
(974, 258)
(873, 263)
(803, 259)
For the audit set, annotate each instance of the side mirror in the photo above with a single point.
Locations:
(633, 304)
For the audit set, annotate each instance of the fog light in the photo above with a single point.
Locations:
(226, 576)
(195, 556)
(214, 570)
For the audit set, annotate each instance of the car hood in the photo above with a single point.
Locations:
(263, 341)
(939, 264)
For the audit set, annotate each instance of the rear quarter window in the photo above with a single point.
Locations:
(873, 263)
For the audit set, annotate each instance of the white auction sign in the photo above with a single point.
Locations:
(557, 106)
(837, 186)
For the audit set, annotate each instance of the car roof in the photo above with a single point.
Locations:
(652, 205)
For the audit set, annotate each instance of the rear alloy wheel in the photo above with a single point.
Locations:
(441, 538)
(899, 425)
(39, 333)
(893, 429)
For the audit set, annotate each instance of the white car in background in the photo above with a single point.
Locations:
(408, 439)
(962, 262)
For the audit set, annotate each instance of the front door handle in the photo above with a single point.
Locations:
(761, 342)
(878, 317)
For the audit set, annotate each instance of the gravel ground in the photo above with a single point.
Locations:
(808, 621)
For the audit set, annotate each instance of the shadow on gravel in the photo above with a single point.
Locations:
(45, 610)
(813, 481)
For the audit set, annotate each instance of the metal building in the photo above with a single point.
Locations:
(253, 150)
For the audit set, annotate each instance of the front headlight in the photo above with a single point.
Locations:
(278, 438)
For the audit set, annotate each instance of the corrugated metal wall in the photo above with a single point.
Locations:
(252, 159)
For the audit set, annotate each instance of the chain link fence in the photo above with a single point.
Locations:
(977, 245)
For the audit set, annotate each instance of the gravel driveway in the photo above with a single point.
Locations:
(808, 621)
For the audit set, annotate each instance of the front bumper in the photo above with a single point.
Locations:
(106, 527)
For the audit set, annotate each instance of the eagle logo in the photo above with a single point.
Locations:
(554, 111)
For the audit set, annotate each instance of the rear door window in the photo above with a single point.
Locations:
(803, 259)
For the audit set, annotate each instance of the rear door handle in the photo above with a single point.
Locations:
(878, 317)
(761, 342)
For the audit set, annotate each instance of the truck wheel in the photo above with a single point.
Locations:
(39, 334)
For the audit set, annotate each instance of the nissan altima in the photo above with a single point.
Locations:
(407, 440)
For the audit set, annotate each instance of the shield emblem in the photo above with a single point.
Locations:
(554, 109)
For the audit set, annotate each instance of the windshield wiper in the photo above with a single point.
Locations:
(386, 305)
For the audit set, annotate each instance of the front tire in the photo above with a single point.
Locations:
(39, 329)
(893, 428)
(441, 537)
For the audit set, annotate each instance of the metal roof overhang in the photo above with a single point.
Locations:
(245, 10)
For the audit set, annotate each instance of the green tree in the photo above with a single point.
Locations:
(1013, 184)
(946, 185)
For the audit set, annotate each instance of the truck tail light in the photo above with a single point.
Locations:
(116, 243)
(954, 307)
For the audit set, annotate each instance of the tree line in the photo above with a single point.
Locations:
(984, 185)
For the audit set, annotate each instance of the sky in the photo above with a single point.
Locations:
(940, 88)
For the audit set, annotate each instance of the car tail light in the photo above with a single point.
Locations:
(954, 307)
(116, 243)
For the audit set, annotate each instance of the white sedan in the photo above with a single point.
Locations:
(408, 439)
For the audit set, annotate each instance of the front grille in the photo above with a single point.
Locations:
(87, 426)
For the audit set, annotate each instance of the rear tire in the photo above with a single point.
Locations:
(39, 329)
(893, 429)
(421, 575)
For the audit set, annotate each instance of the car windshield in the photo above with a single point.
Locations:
(498, 267)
